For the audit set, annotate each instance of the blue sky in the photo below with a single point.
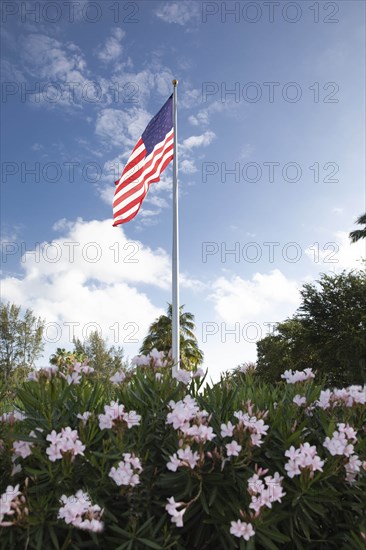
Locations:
(271, 162)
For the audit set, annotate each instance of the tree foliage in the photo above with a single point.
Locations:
(20, 341)
(160, 337)
(327, 333)
(105, 360)
(359, 234)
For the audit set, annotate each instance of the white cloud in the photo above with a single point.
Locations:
(91, 274)
(338, 254)
(112, 48)
(75, 288)
(122, 128)
(37, 146)
(180, 13)
(199, 141)
(203, 116)
(246, 151)
(160, 202)
(187, 167)
(59, 70)
(245, 311)
(200, 119)
(106, 193)
(48, 58)
(135, 88)
(239, 299)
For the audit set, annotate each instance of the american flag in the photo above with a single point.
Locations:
(150, 156)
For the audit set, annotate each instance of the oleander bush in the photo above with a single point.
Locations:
(161, 461)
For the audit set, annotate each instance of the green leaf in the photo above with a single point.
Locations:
(151, 544)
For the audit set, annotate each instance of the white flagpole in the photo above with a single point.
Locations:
(175, 258)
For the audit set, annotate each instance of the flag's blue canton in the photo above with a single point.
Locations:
(158, 126)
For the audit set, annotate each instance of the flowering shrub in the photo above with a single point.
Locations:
(152, 461)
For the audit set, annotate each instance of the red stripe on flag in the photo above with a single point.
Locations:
(148, 173)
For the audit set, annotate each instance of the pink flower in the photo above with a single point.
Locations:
(79, 512)
(22, 448)
(114, 413)
(132, 419)
(186, 455)
(242, 529)
(233, 448)
(227, 429)
(292, 469)
(183, 376)
(182, 412)
(256, 440)
(299, 400)
(172, 509)
(84, 417)
(198, 373)
(73, 378)
(297, 376)
(201, 433)
(105, 422)
(117, 378)
(64, 442)
(6, 499)
(174, 463)
(303, 457)
(127, 472)
(140, 360)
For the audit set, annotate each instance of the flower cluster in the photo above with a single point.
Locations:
(84, 417)
(72, 374)
(172, 509)
(299, 400)
(242, 529)
(128, 471)
(305, 457)
(23, 448)
(115, 414)
(118, 377)
(345, 397)
(183, 376)
(155, 359)
(64, 442)
(292, 377)
(12, 502)
(46, 373)
(12, 417)
(184, 457)
(158, 359)
(341, 443)
(75, 370)
(183, 413)
(247, 422)
(264, 493)
(192, 423)
(81, 513)
(247, 368)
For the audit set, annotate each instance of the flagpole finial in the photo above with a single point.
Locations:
(175, 83)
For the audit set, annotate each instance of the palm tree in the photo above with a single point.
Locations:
(359, 234)
(160, 337)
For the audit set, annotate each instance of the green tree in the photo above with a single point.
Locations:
(20, 341)
(160, 337)
(105, 360)
(287, 348)
(359, 234)
(327, 333)
(333, 314)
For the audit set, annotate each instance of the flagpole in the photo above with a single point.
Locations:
(175, 255)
